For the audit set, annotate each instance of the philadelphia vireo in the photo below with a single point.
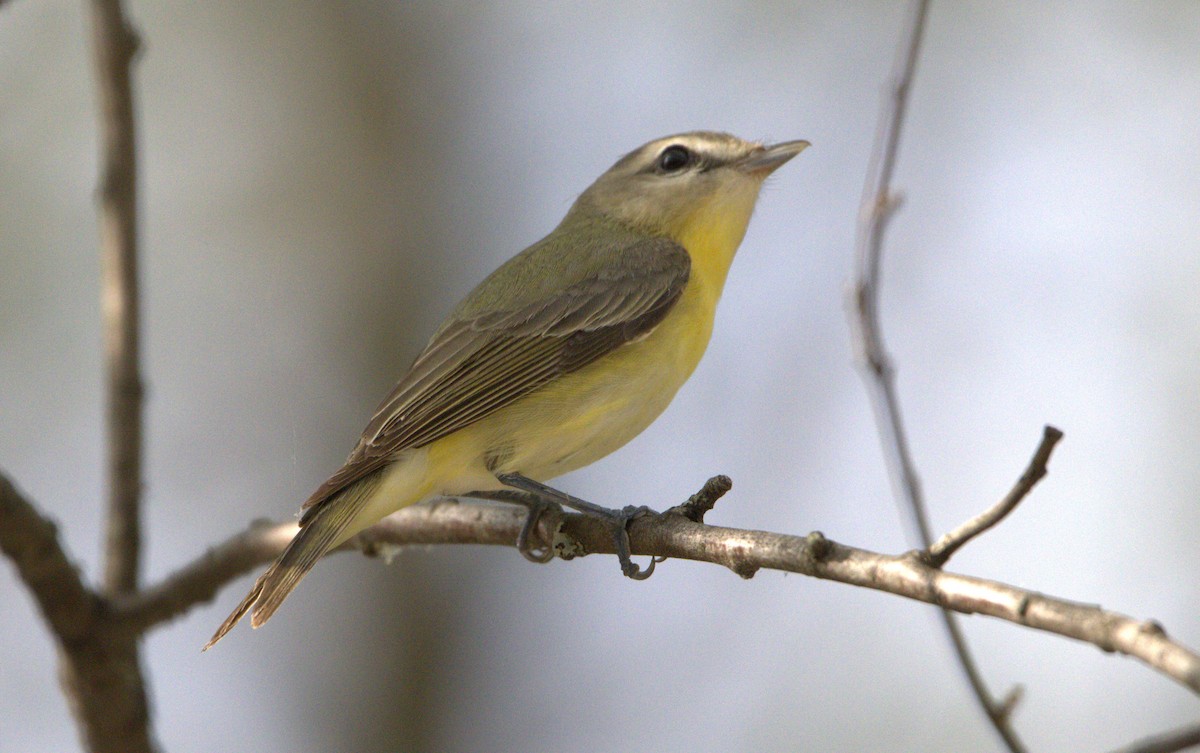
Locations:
(562, 355)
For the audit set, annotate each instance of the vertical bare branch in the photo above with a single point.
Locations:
(115, 43)
(102, 676)
(877, 208)
(878, 204)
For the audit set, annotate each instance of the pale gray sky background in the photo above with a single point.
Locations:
(321, 183)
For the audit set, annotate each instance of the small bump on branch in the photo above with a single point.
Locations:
(704, 500)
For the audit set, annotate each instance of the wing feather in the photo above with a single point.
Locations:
(477, 365)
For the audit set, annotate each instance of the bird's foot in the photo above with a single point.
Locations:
(618, 519)
(538, 506)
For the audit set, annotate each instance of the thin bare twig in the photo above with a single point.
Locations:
(114, 44)
(878, 206)
(947, 545)
(674, 535)
(1166, 742)
(102, 675)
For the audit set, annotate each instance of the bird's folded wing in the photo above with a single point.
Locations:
(475, 366)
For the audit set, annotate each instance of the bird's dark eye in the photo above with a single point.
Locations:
(674, 158)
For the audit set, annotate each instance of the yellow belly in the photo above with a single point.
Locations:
(585, 415)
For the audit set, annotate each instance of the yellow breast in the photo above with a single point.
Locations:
(588, 414)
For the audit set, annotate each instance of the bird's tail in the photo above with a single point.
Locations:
(322, 532)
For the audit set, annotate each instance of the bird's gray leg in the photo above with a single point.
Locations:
(537, 507)
(619, 518)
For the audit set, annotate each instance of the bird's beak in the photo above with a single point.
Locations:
(766, 160)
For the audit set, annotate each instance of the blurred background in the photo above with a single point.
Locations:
(322, 182)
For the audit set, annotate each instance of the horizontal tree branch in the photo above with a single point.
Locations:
(674, 535)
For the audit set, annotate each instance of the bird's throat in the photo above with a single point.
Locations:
(711, 234)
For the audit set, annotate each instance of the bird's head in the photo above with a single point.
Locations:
(685, 184)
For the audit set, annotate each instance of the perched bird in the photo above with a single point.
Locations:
(562, 355)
